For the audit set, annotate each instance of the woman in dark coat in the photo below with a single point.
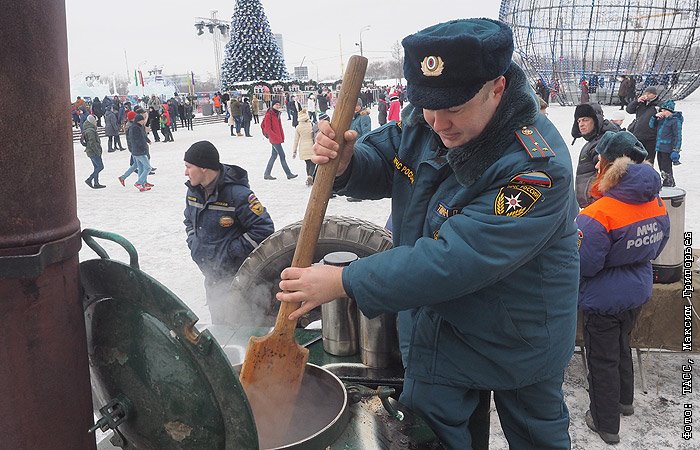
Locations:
(112, 130)
(153, 122)
(382, 108)
(247, 116)
(97, 110)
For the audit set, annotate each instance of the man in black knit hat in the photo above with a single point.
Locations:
(224, 221)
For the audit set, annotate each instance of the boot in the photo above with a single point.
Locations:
(608, 438)
(626, 410)
(671, 180)
(97, 185)
(89, 183)
(667, 179)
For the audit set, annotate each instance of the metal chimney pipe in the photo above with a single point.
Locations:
(45, 396)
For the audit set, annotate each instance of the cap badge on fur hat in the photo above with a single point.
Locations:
(432, 66)
(472, 53)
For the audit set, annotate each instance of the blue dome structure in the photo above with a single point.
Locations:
(589, 45)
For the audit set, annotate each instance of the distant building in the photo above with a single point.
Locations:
(301, 73)
(280, 43)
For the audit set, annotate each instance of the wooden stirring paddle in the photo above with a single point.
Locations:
(274, 364)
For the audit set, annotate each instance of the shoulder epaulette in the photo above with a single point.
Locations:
(534, 143)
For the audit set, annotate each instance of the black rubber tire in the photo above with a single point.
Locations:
(257, 280)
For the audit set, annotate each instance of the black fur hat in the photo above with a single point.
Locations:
(585, 110)
(447, 64)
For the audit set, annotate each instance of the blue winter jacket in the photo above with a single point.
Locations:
(485, 265)
(361, 123)
(136, 139)
(619, 234)
(223, 229)
(669, 133)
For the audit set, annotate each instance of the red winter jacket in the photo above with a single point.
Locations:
(272, 126)
(166, 113)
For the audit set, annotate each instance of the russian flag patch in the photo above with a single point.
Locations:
(537, 178)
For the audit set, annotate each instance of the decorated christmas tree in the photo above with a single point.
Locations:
(252, 53)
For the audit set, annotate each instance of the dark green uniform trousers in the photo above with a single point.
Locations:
(534, 417)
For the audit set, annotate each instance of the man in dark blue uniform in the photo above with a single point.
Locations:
(484, 269)
(224, 221)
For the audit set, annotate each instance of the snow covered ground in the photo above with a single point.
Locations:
(152, 221)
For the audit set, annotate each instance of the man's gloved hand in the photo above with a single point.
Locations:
(676, 157)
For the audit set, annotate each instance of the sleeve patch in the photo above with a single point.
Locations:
(255, 205)
(537, 178)
(515, 200)
(580, 237)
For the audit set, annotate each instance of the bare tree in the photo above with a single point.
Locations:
(396, 64)
(377, 70)
(122, 84)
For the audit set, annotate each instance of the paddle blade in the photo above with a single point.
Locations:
(271, 377)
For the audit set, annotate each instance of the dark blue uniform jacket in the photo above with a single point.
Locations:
(223, 229)
(485, 264)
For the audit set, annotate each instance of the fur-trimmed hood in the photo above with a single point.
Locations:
(629, 182)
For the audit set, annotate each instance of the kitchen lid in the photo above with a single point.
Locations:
(158, 381)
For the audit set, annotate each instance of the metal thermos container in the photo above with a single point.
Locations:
(379, 342)
(339, 318)
(668, 266)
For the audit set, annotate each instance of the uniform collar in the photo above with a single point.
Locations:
(517, 109)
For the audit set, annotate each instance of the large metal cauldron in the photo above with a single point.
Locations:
(159, 383)
(321, 412)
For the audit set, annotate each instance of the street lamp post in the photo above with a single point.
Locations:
(315, 66)
(365, 28)
(213, 24)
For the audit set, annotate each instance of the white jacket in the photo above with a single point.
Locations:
(311, 104)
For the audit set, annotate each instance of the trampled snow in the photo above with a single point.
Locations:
(152, 221)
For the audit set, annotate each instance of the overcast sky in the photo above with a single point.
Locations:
(162, 33)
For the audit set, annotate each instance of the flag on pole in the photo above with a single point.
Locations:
(141, 77)
(136, 79)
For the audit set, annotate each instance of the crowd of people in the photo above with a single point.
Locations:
(121, 117)
(485, 205)
(618, 190)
